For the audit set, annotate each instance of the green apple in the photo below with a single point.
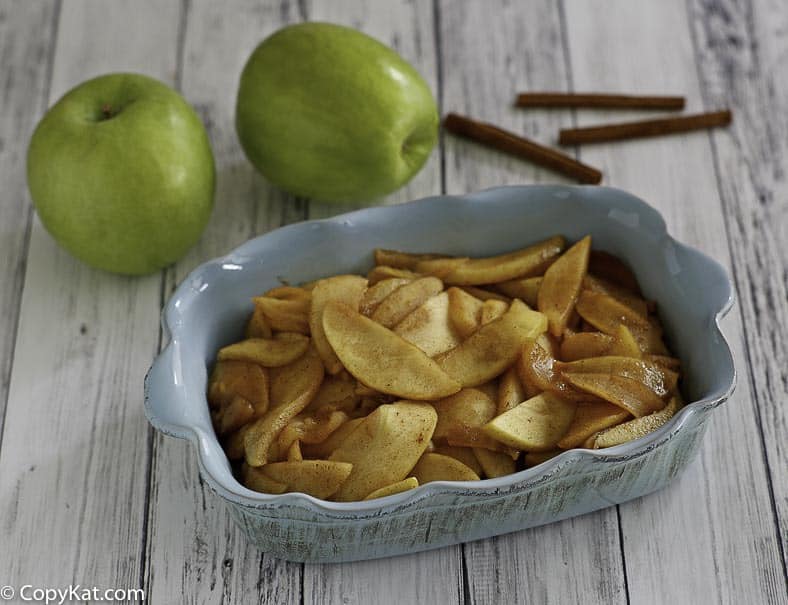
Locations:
(121, 173)
(329, 113)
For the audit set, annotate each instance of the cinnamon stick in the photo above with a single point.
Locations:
(508, 142)
(597, 100)
(645, 128)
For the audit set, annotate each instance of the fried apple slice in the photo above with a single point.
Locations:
(332, 442)
(377, 293)
(483, 294)
(536, 425)
(590, 418)
(335, 393)
(610, 267)
(437, 467)
(255, 479)
(405, 299)
(494, 464)
(526, 289)
(438, 267)
(234, 444)
(381, 359)
(347, 289)
(528, 262)
(429, 327)
(561, 285)
(465, 312)
(292, 388)
(239, 378)
(492, 309)
(318, 478)
(285, 315)
(535, 458)
(511, 391)
(630, 395)
(257, 326)
(290, 293)
(234, 415)
(382, 272)
(606, 314)
(269, 352)
(536, 369)
(463, 454)
(467, 409)
(294, 452)
(661, 381)
(621, 294)
(402, 260)
(394, 488)
(634, 429)
(493, 347)
(384, 447)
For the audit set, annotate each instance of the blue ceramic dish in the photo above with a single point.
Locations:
(209, 309)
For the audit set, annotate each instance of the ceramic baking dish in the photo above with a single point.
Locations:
(210, 308)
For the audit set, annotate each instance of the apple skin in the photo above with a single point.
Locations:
(328, 113)
(121, 173)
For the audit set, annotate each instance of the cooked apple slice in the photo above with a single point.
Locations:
(292, 388)
(257, 326)
(255, 479)
(590, 418)
(528, 262)
(394, 488)
(621, 294)
(382, 272)
(285, 315)
(613, 269)
(492, 309)
(377, 293)
(536, 425)
(483, 294)
(332, 442)
(385, 447)
(429, 327)
(561, 285)
(511, 391)
(234, 415)
(463, 454)
(347, 289)
(467, 409)
(382, 360)
(234, 444)
(318, 478)
(269, 352)
(659, 380)
(495, 464)
(335, 393)
(239, 378)
(405, 299)
(605, 313)
(437, 467)
(294, 452)
(439, 267)
(536, 369)
(634, 429)
(526, 289)
(581, 345)
(535, 458)
(465, 312)
(402, 260)
(630, 395)
(493, 347)
(290, 293)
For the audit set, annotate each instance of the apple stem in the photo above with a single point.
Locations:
(106, 110)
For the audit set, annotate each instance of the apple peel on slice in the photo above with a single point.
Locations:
(381, 359)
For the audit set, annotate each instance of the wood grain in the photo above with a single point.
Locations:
(26, 61)
(741, 50)
(74, 455)
(667, 535)
(195, 552)
(491, 50)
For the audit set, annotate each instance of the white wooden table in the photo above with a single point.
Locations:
(90, 495)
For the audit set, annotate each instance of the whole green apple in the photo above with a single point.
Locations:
(121, 173)
(329, 113)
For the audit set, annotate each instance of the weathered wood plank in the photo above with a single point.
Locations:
(741, 50)
(26, 61)
(491, 51)
(74, 455)
(725, 549)
(195, 552)
(436, 576)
